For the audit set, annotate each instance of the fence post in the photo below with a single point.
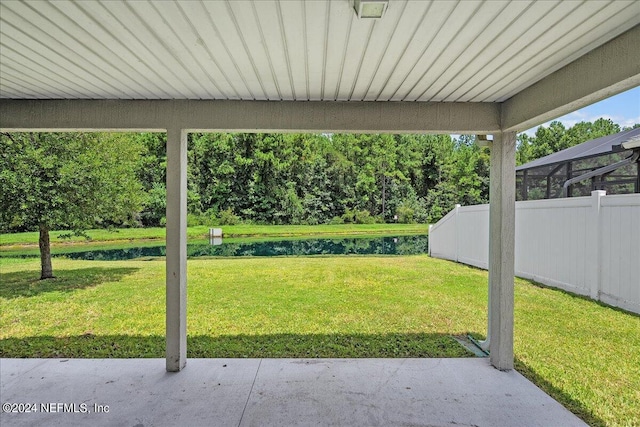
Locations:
(457, 225)
(594, 245)
(429, 247)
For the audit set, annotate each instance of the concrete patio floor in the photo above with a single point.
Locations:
(274, 392)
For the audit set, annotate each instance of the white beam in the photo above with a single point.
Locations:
(176, 262)
(502, 209)
(605, 71)
(250, 116)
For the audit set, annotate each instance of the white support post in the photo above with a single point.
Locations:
(594, 243)
(176, 326)
(502, 208)
(457, 216)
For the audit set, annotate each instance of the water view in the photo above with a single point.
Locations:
(403, 245)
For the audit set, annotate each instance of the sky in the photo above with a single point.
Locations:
(623, 109)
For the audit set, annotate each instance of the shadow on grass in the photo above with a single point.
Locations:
(27, 283)
(396, 345)
(585, 298)
(560, 395)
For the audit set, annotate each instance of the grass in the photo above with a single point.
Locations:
(584, 354)
(200, 232)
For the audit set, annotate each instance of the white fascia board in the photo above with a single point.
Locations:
(250, 116)
(605, 71)
(631, 144)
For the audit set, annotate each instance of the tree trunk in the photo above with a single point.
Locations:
(384, 191)
(46, 271)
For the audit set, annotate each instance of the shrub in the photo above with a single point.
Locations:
(349, 216)
(405, 214)
(363, 217)
(193, 220)
(336, 220)
(227, 217)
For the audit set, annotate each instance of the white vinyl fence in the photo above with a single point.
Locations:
(586, 245)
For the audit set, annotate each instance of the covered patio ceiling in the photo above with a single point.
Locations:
(481, 67)
(510, 64)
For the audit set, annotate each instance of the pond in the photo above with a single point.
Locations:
(402, 245)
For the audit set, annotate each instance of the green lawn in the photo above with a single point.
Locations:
(584, 354)
(201, 232)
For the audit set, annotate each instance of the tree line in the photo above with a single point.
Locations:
(317, 178)
(254, 177)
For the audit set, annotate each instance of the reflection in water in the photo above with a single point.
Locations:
(404, 245)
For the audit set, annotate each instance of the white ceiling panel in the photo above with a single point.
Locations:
(536, 39)
(470, 27)
(338, 38)
(315, 46)
(432, 22)
(404, 33)
(556, 52)
(492, 38)
(273, 43)
(451, 51)
(377, 49)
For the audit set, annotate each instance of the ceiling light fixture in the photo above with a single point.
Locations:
(370, 9)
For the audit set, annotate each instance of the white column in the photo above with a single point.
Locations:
(457, 209)
(502, 209)
(594, 245)
(176, 327)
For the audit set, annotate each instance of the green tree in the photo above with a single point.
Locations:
(556, 137)
(470, 172)
(523, 149)
(212, 169)
(585, 131)
(67, 181)
(152, 175)
(549, 140)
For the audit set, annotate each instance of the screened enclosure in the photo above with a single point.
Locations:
(610, 163)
